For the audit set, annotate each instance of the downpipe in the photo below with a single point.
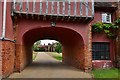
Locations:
(4, 24)
(4, 20)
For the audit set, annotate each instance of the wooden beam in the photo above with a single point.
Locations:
(44, 17)
(92, 8)
(38, 17)
(27, 7)
(81, 9)
(69, 7)
(40, 7)
(14, 5)
(21, 5)
(69, 10)
(63, 11)
(75, 7)
(34, 2)
(86, 5)
(47, 3)
(52, 8)
(74, 19)
(68, 19)
(58, 9)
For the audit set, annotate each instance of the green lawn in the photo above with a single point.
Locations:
(34, 55)
(56, 55)
(105, 73)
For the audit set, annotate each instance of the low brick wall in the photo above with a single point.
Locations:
(102, 64)
(8, 56)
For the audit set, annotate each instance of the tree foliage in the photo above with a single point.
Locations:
(58, 48)
(35, 46)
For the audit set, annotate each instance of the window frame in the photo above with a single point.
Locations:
(104, 17)
(102, 53)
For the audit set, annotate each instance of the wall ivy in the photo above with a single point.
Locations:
(109, 28)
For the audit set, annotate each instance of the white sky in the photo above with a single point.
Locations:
(47, 41)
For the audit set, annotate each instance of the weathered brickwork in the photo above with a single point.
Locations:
(74, 56)
(8, 56)
(23, 57)
(88, 51)
(76, 38)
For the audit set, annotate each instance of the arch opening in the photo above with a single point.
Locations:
(47, 48)
(72, 45)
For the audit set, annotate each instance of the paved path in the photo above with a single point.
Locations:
(47, 67)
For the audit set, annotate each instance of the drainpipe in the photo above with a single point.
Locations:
(4, 23)
(4, 20)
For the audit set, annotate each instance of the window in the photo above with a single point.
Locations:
(106, 17)
(100, 51)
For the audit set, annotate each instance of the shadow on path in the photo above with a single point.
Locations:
(45, 66)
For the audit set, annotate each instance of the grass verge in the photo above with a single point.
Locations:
(34, 55)
(105, 73)
(57, 56)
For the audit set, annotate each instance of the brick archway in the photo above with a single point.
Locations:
(75, 38)
(73, 46)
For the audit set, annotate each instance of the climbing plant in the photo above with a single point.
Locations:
(117, 21)
(109, 28)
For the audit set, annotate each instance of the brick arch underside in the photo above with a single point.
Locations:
(72, 45)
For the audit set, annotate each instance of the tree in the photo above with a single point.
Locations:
(36, 44)
(58, 48)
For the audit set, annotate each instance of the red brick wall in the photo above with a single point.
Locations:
(73, 43)
(43, 30)
(0, 58)
(101, 37)
(74, 55)
(9, 23)
(8, 56)
(23, 57)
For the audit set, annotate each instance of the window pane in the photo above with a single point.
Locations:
(100, 51)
